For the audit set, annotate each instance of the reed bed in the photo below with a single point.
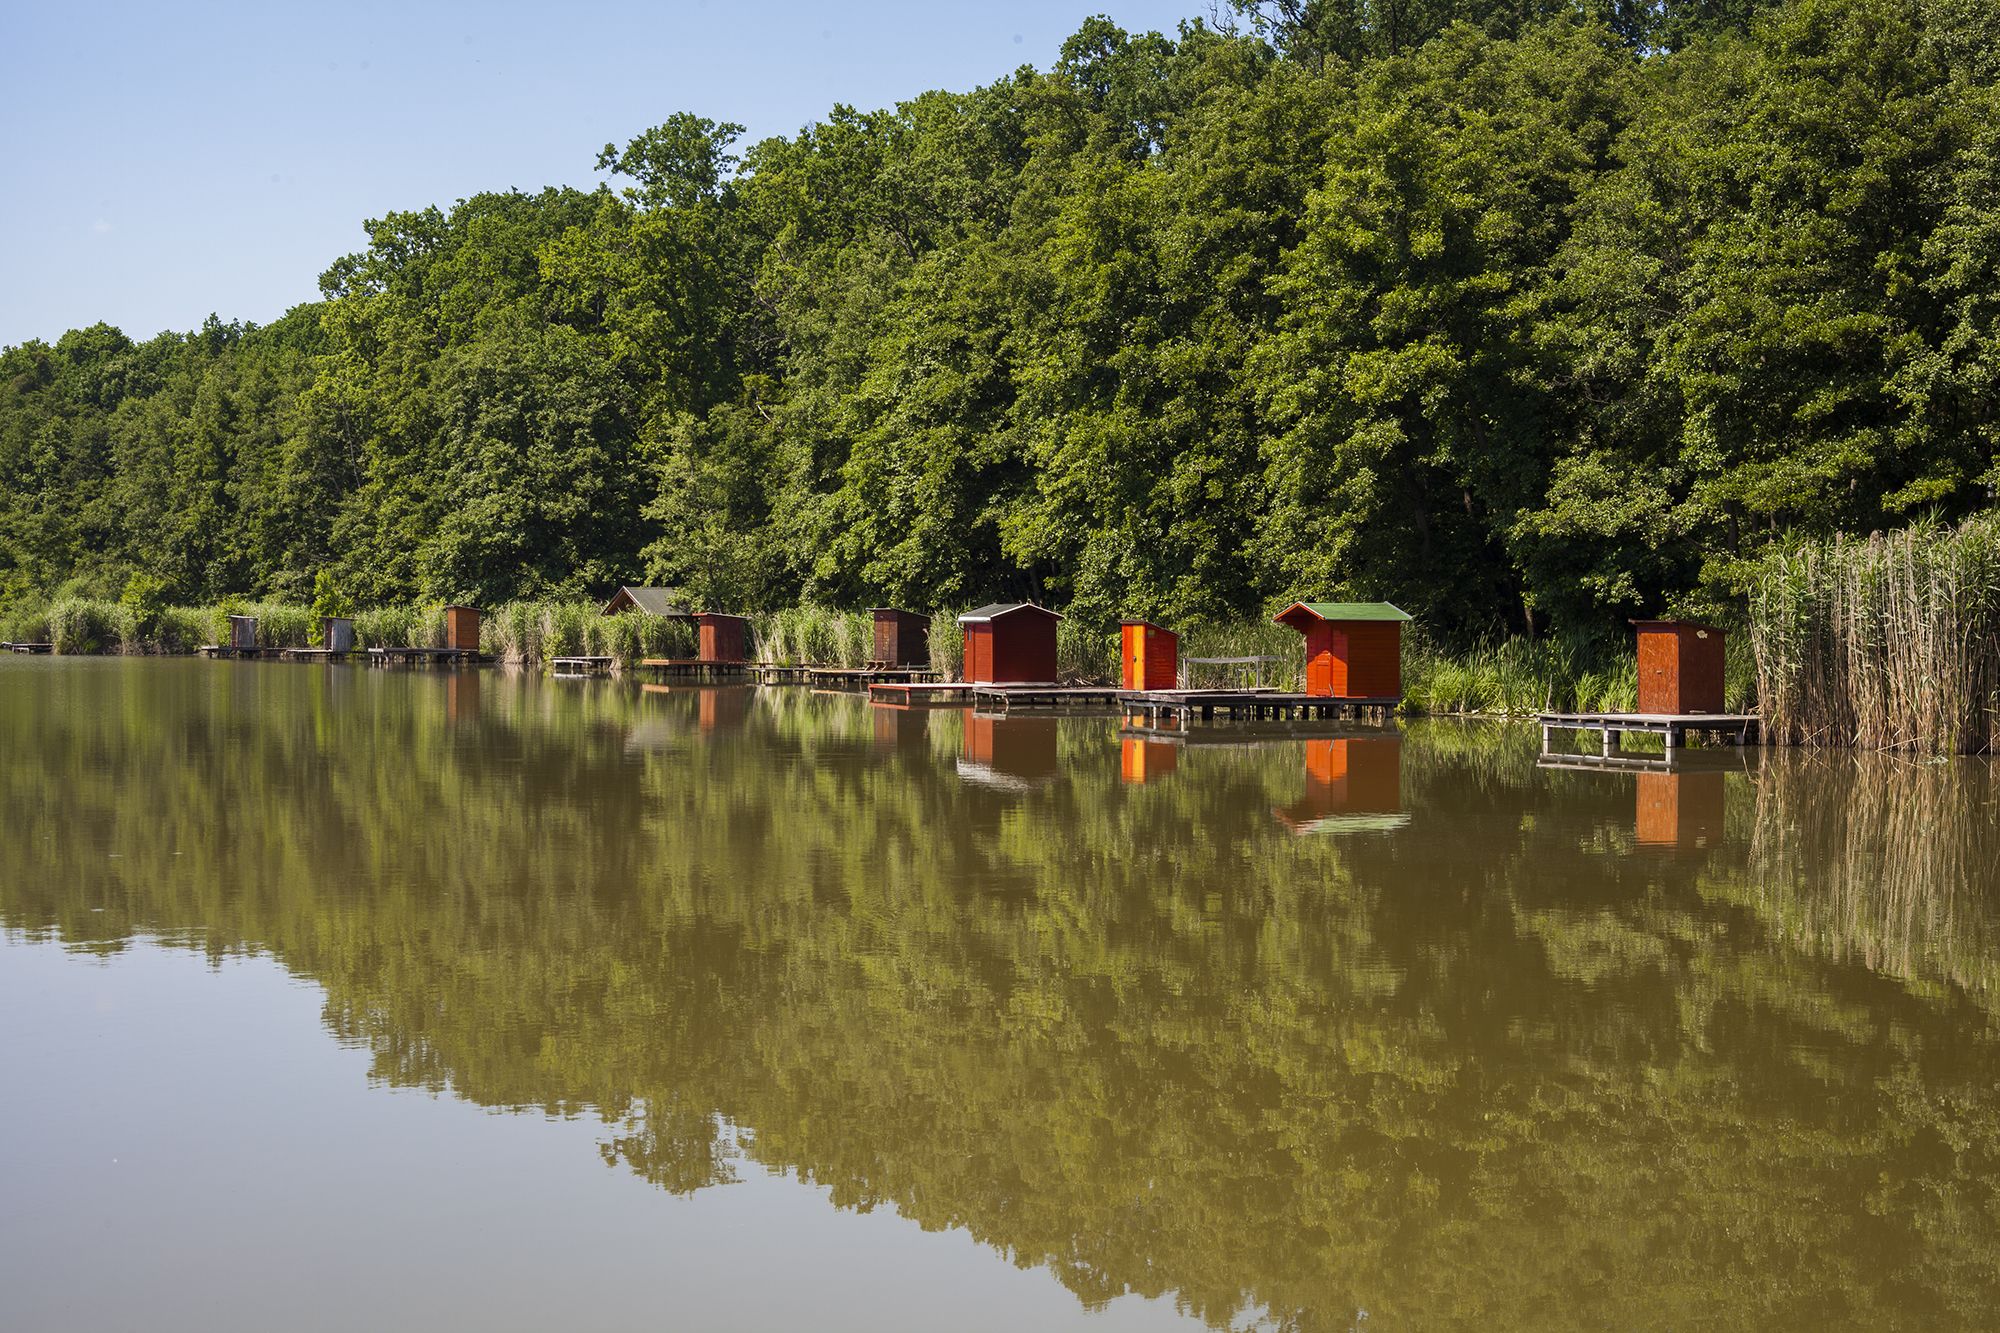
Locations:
(532, 633)
(1889, 642)
(812, 635)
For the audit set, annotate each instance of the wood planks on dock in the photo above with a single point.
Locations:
(1180, 708)
(415, 656)
(1674, 728)
(28, 647)
(580, 666)
(698, 668)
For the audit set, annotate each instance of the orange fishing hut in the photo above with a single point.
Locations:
(1354, 650)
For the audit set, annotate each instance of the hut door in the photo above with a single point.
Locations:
(1320, 649)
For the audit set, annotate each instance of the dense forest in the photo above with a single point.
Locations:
(1524, 314)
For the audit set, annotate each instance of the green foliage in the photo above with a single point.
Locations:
(1527, 316)
(143, 602)
(329, 599)
(80, 626)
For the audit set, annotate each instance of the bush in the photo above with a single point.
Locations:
(80, 626)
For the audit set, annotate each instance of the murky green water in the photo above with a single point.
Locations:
(333, 998)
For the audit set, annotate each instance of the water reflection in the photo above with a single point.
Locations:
(1484, 1067)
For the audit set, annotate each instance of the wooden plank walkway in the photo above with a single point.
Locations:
(853, 678)
(230, 650)
(920, 692)
(314, 654)
(412, 656)
(1006, 698)
(1162, 709)
(28, 647)
(697, 668)
(580, 666)
(1730, 728)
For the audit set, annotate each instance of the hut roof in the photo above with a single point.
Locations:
(1346, 611)
(980, 615)
(652, 601)
(1675, 624)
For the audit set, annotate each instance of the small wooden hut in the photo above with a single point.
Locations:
(902, 638)
(1010, 643)
(647, 601)
(243, 633)
(336, 633)
(1680, 667)
(461, 628)
(1354, 650)
(723, 638)
(1150, 656)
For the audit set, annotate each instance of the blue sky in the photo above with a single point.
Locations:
(161, 161)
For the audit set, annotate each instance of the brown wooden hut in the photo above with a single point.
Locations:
(902, 638)
(461, 628)
(337, 633)
(1149, 657)
(1010, 643)
(1680, 667)
(242, 632)
(723, 638)
(1354, 650)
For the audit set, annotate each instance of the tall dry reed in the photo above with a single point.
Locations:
(1884, 643)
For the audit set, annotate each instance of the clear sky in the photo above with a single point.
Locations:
(159, 161)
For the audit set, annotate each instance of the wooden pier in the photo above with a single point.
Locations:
(580, 666)
(1161, 710)
(860, 678)
(780, 673)
(230, 650)
(28, 647)
(907, 693)
(1007, 698)
(410, 656)
(1674, 728)
(315, 654)
(697, 668)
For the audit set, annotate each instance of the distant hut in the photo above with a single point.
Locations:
(243, 633)
(1680, 667)
(647, 601)
(1010, 643)
(337, 633)
(723, 638)
(902, 638)
(1354, 650)
(1149, 656)
(461, 628)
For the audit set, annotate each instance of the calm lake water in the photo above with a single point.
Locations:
(336, 998)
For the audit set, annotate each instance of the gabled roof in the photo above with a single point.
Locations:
(1345, 611)
(652, 601)
(983, 614)
(721, 615)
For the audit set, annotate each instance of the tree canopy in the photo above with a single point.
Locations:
(1521, 315)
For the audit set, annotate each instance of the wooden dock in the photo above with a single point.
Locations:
(906, 693)
(412, 656)
(1675, 728)
(697, 668)
(1161, 710)
(580, 666)
(28, 647)
(860, 678)
(1007, 698)
(780, 673)
(230, 650)
(315, 654)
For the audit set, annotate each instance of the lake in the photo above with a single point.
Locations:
(334, 997)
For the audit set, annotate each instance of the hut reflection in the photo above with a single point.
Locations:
(1141, 761)
(1014, 753)
(1680, 809)
(461, 697)
(722, 707)
(898, 727)
(1354, 784)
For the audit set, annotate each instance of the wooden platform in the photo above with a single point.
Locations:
(411, 656)
(570, 667)
(920, 692)
(780, 673)
(860, 678)
(28, 647)
(1007, 698)
(1675, 728)
(697, 668)
(315, 654)
(230, 650)
(1166, 709)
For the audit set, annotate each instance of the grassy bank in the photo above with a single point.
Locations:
(1884, 643)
